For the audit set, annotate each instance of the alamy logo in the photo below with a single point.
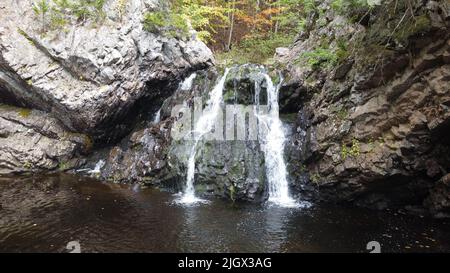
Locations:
(374, 247)
(74, 246)
(231, 122)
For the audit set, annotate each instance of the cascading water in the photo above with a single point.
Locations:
(272, 139)
(157, 118)
(203, 126)
(97, 170)
(187, 83)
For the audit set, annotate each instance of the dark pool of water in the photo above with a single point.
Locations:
(43, 214)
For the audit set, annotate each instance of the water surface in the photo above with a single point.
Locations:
(43, 214)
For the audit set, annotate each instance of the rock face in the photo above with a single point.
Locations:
(439, 199)
(31, 141)
(227, 165)
(90, 73)
(368, 115)
(372, 127)
(229, 168)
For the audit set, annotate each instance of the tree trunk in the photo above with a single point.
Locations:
(230, 33)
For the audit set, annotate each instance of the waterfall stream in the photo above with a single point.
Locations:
(157, 118)
(272, 139)
(187, 83)
(203, 126)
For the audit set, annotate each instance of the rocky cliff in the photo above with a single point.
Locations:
(94, 73)
(365, 100)
(372, 96)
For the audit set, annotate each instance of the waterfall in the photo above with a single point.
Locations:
(157, 118)
(203, 126)
(272, 139)
(97, 170)
(187, 83)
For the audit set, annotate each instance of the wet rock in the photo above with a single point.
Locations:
(439, 199)
(231, 169)
(376, 126)
(140, 157)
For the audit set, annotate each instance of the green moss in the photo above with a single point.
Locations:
(354, 10)
(342, 52)
(321, 57)
(27, 165)
(232, 189)
(315, 178)
(303, 168)
(63, 166)
(200, 188)
(342, 113)
(24, 112)
(352, 151)
(59, 13)
(228, 96)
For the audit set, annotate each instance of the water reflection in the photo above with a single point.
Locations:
(43, 214)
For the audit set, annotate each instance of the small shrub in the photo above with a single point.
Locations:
(342, 51)
(61, 12)
(342, 113)
(171, 24)
(41, 9)
(319, 58)
(353, 151)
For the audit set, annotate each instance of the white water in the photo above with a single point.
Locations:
(203, 126)
(100, 164)
(272, 143)
(184, 86)
(187, 83)
(157, 118)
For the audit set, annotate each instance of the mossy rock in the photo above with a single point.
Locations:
(24, 112)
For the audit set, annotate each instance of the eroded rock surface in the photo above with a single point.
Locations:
(229, 168)
(31, 141)
(90, 74)
(373, 128)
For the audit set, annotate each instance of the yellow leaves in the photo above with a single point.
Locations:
(270, 11)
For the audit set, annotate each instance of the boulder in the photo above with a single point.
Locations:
(32, 141)
(89, 73)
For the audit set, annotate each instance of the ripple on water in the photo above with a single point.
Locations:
(43, 214)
